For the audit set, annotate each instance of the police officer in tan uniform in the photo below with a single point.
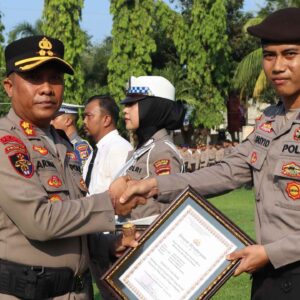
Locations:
(269, 158)
(45, 216)
(151, 110)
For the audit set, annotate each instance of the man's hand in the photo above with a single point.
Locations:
(123, 243)
(252, 258)
(144, 188)
(117, 188)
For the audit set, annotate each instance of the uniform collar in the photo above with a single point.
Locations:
(158, 135)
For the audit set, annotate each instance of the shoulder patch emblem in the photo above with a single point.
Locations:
(266, 127)
(83, 151)
(55, 181)
(71, 155)
(291, 169)
(55, 198)
(28, 128)
(253, 157)
(10, 139)
(293, 190)
(296, 135)
(22, 164)
(162, 167)
(15, 148)
(40, 149)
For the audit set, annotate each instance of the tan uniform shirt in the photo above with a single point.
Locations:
(39, 223)
(162, 158)
(271, 154)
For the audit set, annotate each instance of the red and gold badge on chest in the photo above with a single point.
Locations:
(55, 198)
(22, 164)
(266, 127)
(40, 149)
(83, 185)
(27, 128)
(293, 190)
(253, 157)
(55, 181)
(71, 155)
(162, 167)
(296, 134)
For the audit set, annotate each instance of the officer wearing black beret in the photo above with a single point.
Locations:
(269, 159)
(45, 216)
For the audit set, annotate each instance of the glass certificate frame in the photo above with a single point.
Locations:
(182, 255)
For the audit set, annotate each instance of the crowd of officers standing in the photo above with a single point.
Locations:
(203, 155)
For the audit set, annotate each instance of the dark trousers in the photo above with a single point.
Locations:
(279, 284)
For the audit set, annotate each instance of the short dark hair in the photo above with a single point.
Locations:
(108, 104)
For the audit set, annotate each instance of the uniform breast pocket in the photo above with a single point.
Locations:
(256, 158)
(54, 185)
(287, 184)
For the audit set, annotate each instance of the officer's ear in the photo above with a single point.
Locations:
(8, 84)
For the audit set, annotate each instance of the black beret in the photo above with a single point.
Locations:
(31, 52)
(282, 26)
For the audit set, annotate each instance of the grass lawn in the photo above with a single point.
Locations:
(239, 207)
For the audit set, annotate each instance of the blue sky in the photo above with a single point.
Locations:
(96, 19)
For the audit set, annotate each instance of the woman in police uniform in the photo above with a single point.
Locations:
(151, 110)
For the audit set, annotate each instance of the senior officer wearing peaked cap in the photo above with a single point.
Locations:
(45, 216)
(65, 119)
(269, 158)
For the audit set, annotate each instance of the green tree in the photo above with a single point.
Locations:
(25, 29)
(202, 43)
(3, 97)
(133, 42)
(61, 20)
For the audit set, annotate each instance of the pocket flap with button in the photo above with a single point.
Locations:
(52, 182)
(256, 158)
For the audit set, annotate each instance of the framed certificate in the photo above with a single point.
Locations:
(182, 255)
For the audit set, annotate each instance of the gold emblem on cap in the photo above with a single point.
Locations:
(45, 47)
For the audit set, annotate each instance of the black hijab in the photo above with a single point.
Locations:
(156, 113)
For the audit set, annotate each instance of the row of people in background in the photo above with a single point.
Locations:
(203, 155)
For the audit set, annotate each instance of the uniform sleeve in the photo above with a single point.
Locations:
(25, 201)
(163, 160)
(231, 173)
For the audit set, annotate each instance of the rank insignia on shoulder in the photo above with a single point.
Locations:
(22, 164)
(253, 157)
(293, 190)
(266, 127)
(296, 135)
(55, 198)
(71, 155)
(55, 181)
(28, 128)
(291, 169)
(40, 149)
(162, 167)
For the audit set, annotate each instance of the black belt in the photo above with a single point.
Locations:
(35, 282)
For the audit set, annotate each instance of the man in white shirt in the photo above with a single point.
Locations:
(101, 115)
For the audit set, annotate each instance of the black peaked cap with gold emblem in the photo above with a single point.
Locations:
(282, 26)
(31, 52)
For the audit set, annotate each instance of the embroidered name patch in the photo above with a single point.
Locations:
(40, 149)
(10, 139)
(54, 181)
(15, 148)
(22, 164)
(293, 190)
(27, 128)
(291, 169)
(162, 167)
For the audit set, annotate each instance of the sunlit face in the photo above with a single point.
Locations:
(36, 95)
(131, 116)
(95, 120)
(281, 64)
